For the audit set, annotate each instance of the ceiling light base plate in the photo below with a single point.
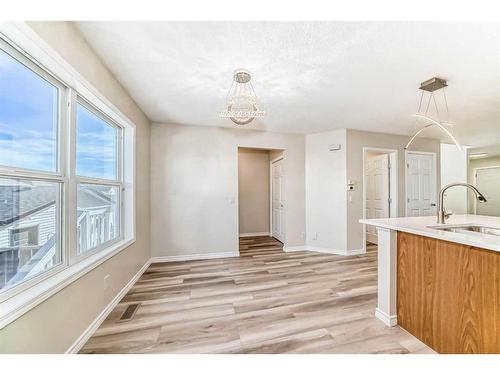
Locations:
(242, 76)
(433, 84)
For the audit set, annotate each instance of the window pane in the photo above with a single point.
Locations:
(29, 227)
(96, 147)
(28, 117)
(98, 215)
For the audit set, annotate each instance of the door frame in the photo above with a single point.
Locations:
(271, 162)
(434, 160)
(393, 183)
(474, 171)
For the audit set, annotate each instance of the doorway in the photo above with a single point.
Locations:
(261, 203)
(421, 188)
(380, 184)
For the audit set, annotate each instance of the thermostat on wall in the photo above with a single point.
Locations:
(335, 147)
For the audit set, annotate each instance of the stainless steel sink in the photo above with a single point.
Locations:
(468, 228)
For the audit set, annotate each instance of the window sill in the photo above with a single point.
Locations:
(19, 304)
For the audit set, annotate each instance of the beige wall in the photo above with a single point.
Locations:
(253, 190)
(194, 187)
(356, 140)
(55, 324)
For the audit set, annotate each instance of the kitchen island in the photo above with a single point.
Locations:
(441, 283)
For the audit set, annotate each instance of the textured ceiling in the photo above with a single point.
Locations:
(309, 77)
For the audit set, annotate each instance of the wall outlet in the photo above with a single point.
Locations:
(315, 236)
(302, 235)
(106, 282)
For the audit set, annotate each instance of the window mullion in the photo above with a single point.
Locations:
(97, 181)
(28, 174)
(119, 158)
(72, 184)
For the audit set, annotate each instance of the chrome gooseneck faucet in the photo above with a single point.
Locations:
(442, 215)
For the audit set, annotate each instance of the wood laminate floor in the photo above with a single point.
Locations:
(265, 301)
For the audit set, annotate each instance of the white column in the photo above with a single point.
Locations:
(387, 253)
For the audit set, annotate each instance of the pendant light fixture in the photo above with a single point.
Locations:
(431, 86)
(241, 100)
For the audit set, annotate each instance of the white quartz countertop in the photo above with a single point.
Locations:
(420, 225)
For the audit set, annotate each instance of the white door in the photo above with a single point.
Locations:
(487, 181)
(420, 184)
(377, 192)
(278, 204)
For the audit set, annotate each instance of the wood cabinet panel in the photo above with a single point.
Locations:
(448, 294)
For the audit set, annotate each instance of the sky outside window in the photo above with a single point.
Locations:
(28, 117)
(96, 147)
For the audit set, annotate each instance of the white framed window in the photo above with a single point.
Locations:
(67, 159)
(31, 169)
(99, 181)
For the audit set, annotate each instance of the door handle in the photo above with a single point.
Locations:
(433, 204)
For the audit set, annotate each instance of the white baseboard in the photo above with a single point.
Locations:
(355, 252)
(389, 320)
(290, 249)
(80, 341)
(180, 258)
(256, 234)
(325, 250)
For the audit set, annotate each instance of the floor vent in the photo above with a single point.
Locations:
(129, 312)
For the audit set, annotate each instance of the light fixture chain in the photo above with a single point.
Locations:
(428, 103)
(421, 98)
(436, 106)
(446, 105)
